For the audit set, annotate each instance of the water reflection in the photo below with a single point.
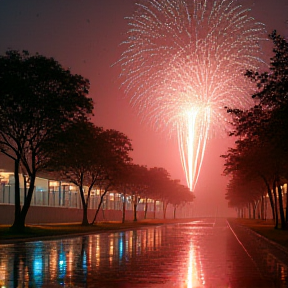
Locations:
(181, 256)
(82, 260)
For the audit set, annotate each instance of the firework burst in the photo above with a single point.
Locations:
(184, 62)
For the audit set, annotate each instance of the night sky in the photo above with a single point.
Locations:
(85, 35)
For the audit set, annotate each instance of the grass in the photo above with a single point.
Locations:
(266, 229)
(46, 231)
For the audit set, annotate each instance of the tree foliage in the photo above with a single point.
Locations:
(262, 131)
(91, 157)
(38, 99)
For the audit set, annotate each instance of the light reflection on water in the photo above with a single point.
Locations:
(184, 256)
(193, 279)
(95, 258)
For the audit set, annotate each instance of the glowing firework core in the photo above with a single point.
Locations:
(192, 138)
(184, 63)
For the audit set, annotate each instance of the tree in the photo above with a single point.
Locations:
(75, 159)
(92, 159)
(242, 194)
(38, 99)
(180, 194)
(250, 161)
(264, 126)
(116, 160)
(159, 183)
(124, 185)
(134, 181)
(139, 185)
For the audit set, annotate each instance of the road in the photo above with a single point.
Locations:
(203, 253)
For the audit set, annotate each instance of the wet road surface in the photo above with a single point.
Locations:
(204, 253)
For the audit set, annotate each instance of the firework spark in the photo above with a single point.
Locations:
(184, 62)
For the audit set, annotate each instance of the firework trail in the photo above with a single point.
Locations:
(184, 62)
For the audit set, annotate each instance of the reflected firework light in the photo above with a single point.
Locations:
(184, 61)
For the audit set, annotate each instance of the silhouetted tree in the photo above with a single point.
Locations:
(139, 186)
(116, 161)
(248, 163)
(179, 195)
(38, 99)
(264, 127)
(90, 157)
(159, 183)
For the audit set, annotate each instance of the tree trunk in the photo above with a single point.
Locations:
(258, 209)
(270, 197)
(99, 206)
(19, 223)
(272, 204)
(145, 208)
(254, 209)
(276, 205)
(262, 207)
(281, 208)
(85, 221)
(84, 206)
(286, 209)
(124, 209)
(174, 212)
(135, 211)
(164, 209)
(17, 194)
(25, 187)
(154, 209)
